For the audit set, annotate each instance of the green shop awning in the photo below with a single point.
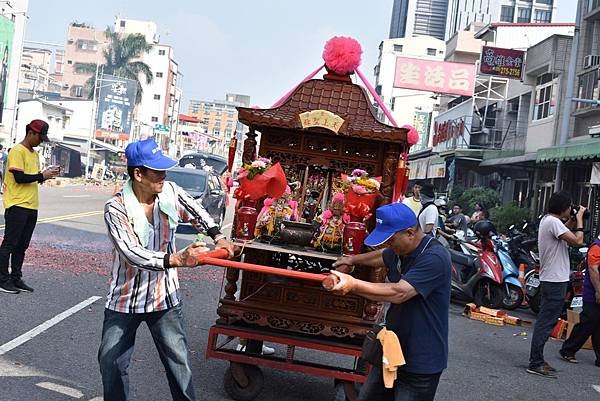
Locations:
(580, 150)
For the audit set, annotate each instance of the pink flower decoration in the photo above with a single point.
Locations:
(413, 135)
(359, 189)
(327, 215)
(346, 218)
(342, 55)
(358, 172)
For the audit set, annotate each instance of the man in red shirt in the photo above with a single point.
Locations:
(589, 323)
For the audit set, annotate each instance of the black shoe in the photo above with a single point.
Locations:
(22, 286)
(550, 368)
(9, 287)
(541, 370)
(568, 358)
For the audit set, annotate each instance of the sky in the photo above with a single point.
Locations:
(260, 48)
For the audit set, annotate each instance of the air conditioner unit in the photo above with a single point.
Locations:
(591, 60)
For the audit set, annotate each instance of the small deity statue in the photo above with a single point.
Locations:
(330, 234)
(273, 213)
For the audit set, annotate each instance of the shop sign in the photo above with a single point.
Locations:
(447, 130)
(506, 63)
(435, 76)
(321, 118)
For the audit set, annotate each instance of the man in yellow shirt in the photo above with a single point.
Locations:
(21, 204)
(414, 201)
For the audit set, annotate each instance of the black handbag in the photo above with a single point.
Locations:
(372, 350)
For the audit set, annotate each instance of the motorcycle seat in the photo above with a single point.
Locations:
(462, 259)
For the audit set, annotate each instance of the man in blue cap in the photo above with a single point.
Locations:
(419, 295)
(141, 222)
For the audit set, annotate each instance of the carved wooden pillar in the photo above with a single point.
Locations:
(231, 277)
(249, 147)
(375, 275)
(389, 174)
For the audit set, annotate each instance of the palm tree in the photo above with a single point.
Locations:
(120, 60)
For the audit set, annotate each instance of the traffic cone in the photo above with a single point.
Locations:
(522, 268)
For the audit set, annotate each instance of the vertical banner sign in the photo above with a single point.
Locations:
(116, 100)
(505, 63)
(421, 124)
(435, 76)
(7, 30)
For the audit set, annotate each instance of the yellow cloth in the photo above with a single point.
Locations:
(393, 357)
(24, 195)
(413, 204)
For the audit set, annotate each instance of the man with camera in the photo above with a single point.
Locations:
(419, 293)
(553, 239)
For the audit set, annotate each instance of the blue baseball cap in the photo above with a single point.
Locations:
(147, 153)
(390, 219)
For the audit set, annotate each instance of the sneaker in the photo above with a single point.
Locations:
(541, 370)
(22, 286)
(9, 287)
(265, 350)
(568, 358)
(550, 368)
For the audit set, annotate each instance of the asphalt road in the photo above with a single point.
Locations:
(68, 263)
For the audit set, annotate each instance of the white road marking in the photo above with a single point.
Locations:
(46, 325)
(68, 391)
(596, 387)
(76, 196)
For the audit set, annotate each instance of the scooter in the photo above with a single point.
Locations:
(574, 295)
(513, 289)
(478, 278)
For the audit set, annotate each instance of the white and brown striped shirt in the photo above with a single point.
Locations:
(140, 281)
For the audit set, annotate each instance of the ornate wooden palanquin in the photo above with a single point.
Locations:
(341, 134)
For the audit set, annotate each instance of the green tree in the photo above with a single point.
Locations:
(505, 216)
(467, 198)
(121, 60)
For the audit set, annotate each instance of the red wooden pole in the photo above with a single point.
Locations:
(217, 258)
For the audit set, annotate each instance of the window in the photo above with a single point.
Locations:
(228, 133)
(78, 91)
(159, 75)
(542, 16)
(216, 131)
(156, 97)
(507, 14)
(69, 61)
(588, 88)
(524, 15)
(431, 52)
(154, 119)
(398, 48)
(205, 120)
(161, 52)
(549, 2)
(122, 24)
(545, 97)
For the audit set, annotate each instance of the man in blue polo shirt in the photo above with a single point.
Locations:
(419, 295)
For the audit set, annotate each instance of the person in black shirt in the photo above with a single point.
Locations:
(419, 293)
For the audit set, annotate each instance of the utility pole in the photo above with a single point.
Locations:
(568, 101)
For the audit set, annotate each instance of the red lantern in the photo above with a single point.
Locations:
(354, 237)
(246, 222)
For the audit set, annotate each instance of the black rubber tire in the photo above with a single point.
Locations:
(494, 300)
(255, 385)
(513, 301)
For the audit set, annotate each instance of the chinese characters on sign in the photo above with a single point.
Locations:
(505, 63)
(421, 124)
(435, 76)
(321, 118)
(447, 130)
(115, 107)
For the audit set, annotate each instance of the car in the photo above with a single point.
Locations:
(204, 186)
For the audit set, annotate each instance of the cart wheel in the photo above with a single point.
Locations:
(247, 387)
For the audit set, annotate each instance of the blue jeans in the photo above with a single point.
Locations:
(407, 387)
(553, 300)
(116, 348)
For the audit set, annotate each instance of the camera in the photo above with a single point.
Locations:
(575, 210)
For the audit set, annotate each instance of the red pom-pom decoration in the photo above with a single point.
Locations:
(413, 135)
(342, 55)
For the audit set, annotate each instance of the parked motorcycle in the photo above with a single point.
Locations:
(574, 295)
(513, 289)
(522, 245)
